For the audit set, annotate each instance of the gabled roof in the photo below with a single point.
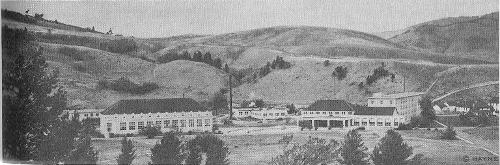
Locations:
(378, 111)
(330, 105)
(145, 106)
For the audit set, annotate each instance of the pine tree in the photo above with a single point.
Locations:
(32, 98)
(427, 112)
(207, 58)
(168, 151)
(226, 68)
(218, 63)
(391, 150)
(353, 150)
(197, 56)
(128, 152)
(84, 152)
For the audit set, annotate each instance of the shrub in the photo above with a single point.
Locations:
(150, 131)
(449, 134)
(404, 127)
(84, 152)
(391, 150)
(378, 73)
(128, 152)
(315, 151)
(340, 72)
(326, 63)
(353, 150)
(168, 151)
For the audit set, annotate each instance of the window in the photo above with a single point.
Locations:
(324, 113)
(331, 113)
(140, 125)
(207, 122)
(390, 102)
(166, 123)
(96, 114)
(86, 115)
(304, 113)
(183, 123)
(373, 102)
(350, 113)
(123, 126)
(246, 113)
(91, 114)
(380, 124)
(372, 123)
(277, 114)
(270, 114)
(336, 113)
(387, 123)
(311, 113)
(317, 112)
(363, 123)
(175, 123)
(109, 125)
(131, 125)
(282, 114)
(149, 123)
(381, 102)
(395, 123)
(343, 113)
(265, 114)
(356, 123)
(199, 123)
(240, 113)
(191, 122)
(158, 124)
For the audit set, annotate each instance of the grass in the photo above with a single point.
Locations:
(485, 133)
(260, 149)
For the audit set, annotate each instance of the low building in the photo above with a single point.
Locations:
(82, 113)
(272, 113)
(130, 116)
(377, 117)
(244, 112)
(328, 113)
(405, 104)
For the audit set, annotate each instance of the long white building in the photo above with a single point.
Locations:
(130, 116)
(382, 111)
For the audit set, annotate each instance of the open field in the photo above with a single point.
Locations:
(246, 148)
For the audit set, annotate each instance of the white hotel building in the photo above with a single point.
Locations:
(382, 111)
(130, 116)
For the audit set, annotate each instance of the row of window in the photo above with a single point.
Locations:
(263, 114)
(373, 123)
(164, 116)
(91, 114)
(324, 113)
(159, 123)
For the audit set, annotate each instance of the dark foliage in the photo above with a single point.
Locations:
(84, 152)
(353, 150)
(340, 72)
(377, 74)
(449, 134)
(150, 131)
(128, 152)
(315, 151)
(28, 92)
(72, 52)
(168, 151)
(279, 63)
(259, 103)
(125, 85)
(214, 148)
(391, 150)
(305, 124)
(326, 63)
(291, 109)
(427, 113)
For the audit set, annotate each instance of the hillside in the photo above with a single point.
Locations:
(470, 37)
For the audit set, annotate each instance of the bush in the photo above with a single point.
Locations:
(378, 73)
(150, 131)
(340, 72)
(449, 134)
(326, 63)
(84, 153)
(215, 149)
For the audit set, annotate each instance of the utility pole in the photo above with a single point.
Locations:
(230, 99)
(404, 84)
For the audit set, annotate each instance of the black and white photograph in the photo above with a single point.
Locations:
(250, 82)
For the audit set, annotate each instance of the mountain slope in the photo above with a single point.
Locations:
(473, 37)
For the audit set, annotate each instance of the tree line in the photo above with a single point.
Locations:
(123, 84)
(197, 57)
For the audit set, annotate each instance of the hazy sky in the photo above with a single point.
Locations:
(175, 17)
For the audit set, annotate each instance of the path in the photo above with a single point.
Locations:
(472, 140)
(470, 87)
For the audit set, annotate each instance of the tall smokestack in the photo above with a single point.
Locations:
(230, 99)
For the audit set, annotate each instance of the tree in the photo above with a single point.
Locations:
(168, 151)
(326, 63)
(150, 131)
(197, 56)
(226, 68)
(128, 152)
(32, 98)
(259, 103)
(291, 109)
(57, 146)
(340, 72)
(449, 134)
(214, 148)
(207, 58)
(353, 150)
(427, 112)
(185, 56)
(391, 150)
(218, 63)
(315, 151)
(84, 152)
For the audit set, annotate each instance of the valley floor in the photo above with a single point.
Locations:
(258, 145)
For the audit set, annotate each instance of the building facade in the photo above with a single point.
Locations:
(130, 116)
(405, 104)
(82, 113)
(271, 113)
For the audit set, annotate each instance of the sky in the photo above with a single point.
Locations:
(154, 19)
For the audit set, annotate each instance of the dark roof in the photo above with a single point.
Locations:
(494, 100)
(145, 106)
(330, 105)
(383, 111)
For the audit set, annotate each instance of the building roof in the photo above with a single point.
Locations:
(145, 106)
(394, 96)
(494, 100)
(330, 105)
(378, 111)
